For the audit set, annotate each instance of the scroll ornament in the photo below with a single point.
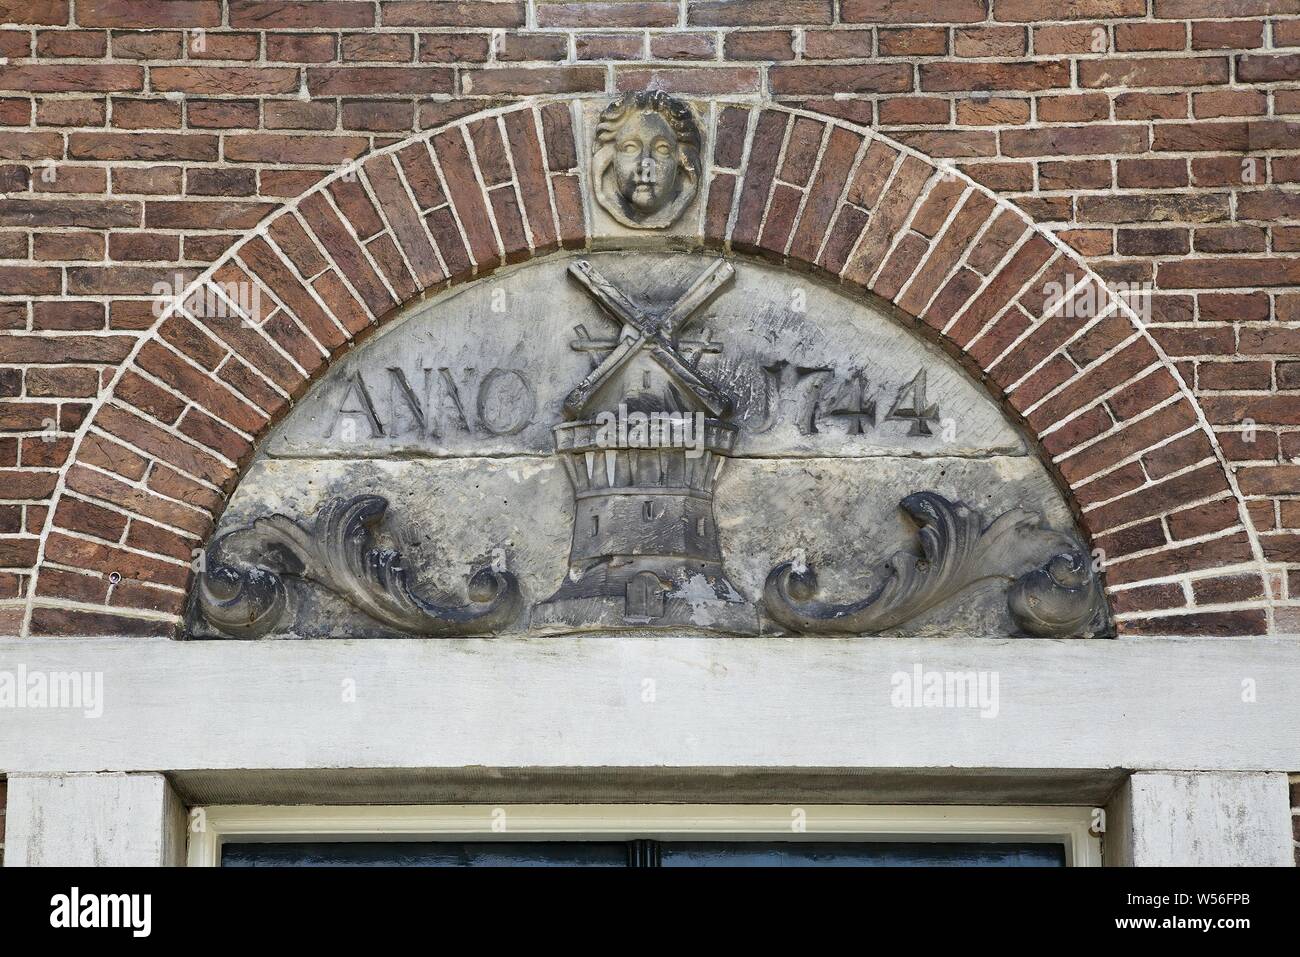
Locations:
(1061, 599)
(243, 592)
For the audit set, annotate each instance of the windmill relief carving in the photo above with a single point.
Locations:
(632, 442)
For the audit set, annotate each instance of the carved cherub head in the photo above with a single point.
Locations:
(646, 165)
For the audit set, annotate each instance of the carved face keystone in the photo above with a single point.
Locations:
(645, 162)
(646, 159)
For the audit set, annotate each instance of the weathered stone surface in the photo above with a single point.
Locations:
(450, 516)
(475, 420)
(489, 367)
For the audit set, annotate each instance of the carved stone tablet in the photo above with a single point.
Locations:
(646, 441)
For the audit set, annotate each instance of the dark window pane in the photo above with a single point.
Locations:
(858, 854)
(428, 854)
(641, 854)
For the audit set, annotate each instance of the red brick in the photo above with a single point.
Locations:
(1229, 103)
(1213, 624)
(997, 111)
(903, 193)
(759, 45)
(125, 13)
(377, 47)
(43, 12)
(146, 114)
(1029, 10)
(404, 219)
(296, 115)
(1151, 106)
(453, 156)
(946, 77)
(374, 80)
(1123, 365)
(1006, 284)
(761, 13)
(71, 43)
(1070, 38)
(300, 47)
(143, 146)
(345, 253)
(1073, 108)
(1148, 598)
(1151, 173)
(711, 80)
(824, 193)
(283, 148)
(836, 44)
(944, 255)
(609, 46)
(1135, 437)
(597, 14)
(1233, 588)
(66, 381)
(293, 15)
(222, 114)
(1157, 498)
(71, 78)
(1074, 140)
(454, 47)
(516, 47)
(913, 41)
(998, 41)
(688, 46)
(148, 45)
(767, 143)
(67, 622)
(1131, 37)
(472, 13)
(827, 79)
(1226, 273)
(1227, 34)
(912, 11)
(1258, 68)
(225, 46)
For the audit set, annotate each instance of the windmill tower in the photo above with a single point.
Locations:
(645, 441)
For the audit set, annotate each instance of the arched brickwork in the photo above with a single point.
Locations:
(160, 450)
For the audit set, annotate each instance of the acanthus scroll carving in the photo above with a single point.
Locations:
(1061, 599)
(243, 593)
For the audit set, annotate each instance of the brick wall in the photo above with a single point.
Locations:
(1158, 138)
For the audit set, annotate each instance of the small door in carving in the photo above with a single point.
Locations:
(645, 596)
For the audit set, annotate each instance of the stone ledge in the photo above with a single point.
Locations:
(578, 702)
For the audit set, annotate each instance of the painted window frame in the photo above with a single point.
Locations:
(214, 825)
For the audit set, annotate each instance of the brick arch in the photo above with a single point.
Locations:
(165, 443)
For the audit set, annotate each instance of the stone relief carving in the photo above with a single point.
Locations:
(1060, 600)
(243, 594)
(957, 551)
(706, 398)
(645, 443)
(645, 166)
